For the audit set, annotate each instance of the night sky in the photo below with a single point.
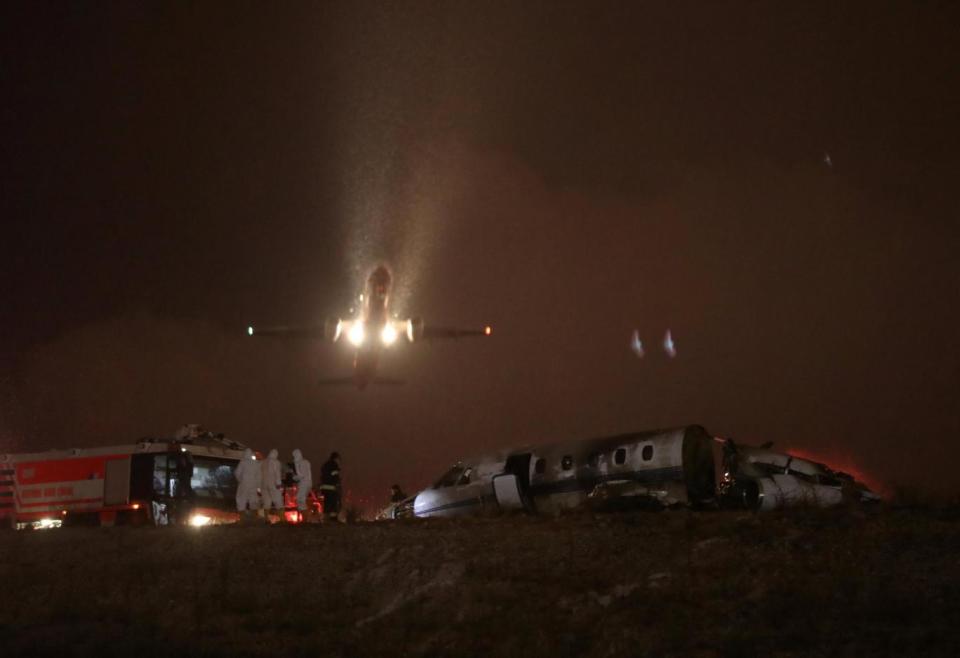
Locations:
(775, 182)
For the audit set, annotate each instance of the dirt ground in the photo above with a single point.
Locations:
(674, 583)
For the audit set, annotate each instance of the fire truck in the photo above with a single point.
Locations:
(187, 479)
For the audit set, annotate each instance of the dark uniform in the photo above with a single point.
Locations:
(396, 494)
(330, 485)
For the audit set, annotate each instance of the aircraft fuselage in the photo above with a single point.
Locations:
(374, 318)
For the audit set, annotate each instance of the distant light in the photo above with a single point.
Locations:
(250, 331)
(182, 449)
(668, 345)
(488, 330)
(389, 334)
(135, 506)
(636, 344)
(356, 334)
(198, 520)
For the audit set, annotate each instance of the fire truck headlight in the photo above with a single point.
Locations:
(356, 334)
(389, 335)
(199, 520)
(48, 523)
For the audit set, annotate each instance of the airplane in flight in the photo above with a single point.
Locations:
(683, 466)
(370, 332)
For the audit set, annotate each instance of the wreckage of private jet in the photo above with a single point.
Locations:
(683, 466)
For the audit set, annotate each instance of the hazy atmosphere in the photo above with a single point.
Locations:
(774, 184)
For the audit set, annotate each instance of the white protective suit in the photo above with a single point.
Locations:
(271, 488)
(247, 473)
(303, 477)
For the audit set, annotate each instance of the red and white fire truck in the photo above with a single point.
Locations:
(183, 480)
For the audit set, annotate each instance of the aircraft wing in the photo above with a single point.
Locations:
(431, 333)
(306, 331)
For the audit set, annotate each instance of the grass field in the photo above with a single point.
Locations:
(677, 583)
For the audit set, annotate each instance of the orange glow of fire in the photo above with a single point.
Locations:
(844, 465)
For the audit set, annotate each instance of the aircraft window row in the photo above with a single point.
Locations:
(619, 458)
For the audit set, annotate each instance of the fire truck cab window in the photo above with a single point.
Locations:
(163, 468)
(567, 462)
(647, 453)
(178, 475)
(620, 456)
(213, 478)
(540, 466)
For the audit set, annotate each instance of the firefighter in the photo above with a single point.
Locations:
(248, 481)
(304, 479)
(271, 486)
(330, 485)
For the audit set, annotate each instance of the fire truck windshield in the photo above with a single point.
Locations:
(213, 478)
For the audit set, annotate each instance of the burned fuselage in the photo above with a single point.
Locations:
(683, 466)
(760, 478)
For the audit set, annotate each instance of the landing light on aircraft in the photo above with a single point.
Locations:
(356, 334)
(389, 335)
